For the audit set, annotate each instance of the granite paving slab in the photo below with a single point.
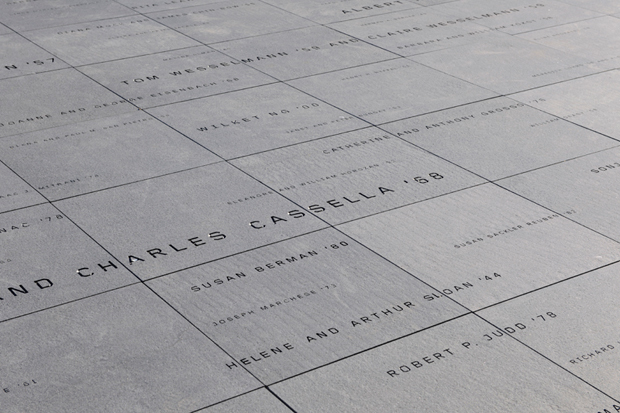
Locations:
(91, 156)
(334, 11)
(601, 6)
(302, 303)
(588, 39)
(513, 16)
(591, 101)
(54, 98)
(415, 31)
(574, 323)
(5, 30)
(112, 39)
(46, 261)
(78, 357)
(255, 120)
(593, 177)
(177, 221)
(303, 52)
(15, 192)
(23, 15)
(230, 20)
(407, 89)
(409, 373)
(259, 401)
(483, 245)
(175, 76)
(356, 174)
(21, 57)
(148, 6)
(499, 137)
(508, 64)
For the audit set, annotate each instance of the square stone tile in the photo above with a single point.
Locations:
(587, 187)
(508, 64)
(513, 16)
(588, 39)
(393, 90)
(21, 57)
(259, 401)
(323, 12)
(592, 101)
(499, 137)
(317, 298)
(169, 77)
(90, 156)
(137, 355)
(234, 19)
(14, 192)
(356, 174)
(415, 31)
(601, 6)
(448, 368)
(148, 6)
(52, 99)
(303, 52)
(26, 15)
(46, 261)
(255, 120)
(574, 323)
(181, 220)
(104, 40)
(483, 245)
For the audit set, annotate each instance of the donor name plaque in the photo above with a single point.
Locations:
(272, 206)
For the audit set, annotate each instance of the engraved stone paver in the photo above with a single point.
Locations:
(213, 206)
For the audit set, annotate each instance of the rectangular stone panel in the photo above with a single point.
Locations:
(184, 219)
(303, 52)
(104, 40)
(589, 39)
(255, 120)
(513, 16)
(508, 64)
(302, 303)
(415, 31)
(591, 101)
(499, 137)
(90, 156)
(52, 99)
(259, 401)
(46, 261)
(23, 15)
(334, 11)
(450, 368)
(235, 19)
(356, 174)
(483, 245)
(587, 187)
(574, 323)
(125, 350)
(601, 6)
(14, 192)
(148, 6)
(169, 77)
(21, 57)
(388, 91)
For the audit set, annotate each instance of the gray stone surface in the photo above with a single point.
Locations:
(309, 206)
(499, 137)
(355, 174)
(256, 120)
(234, 19)
(175, 76)
(455, 356)
(407, 89)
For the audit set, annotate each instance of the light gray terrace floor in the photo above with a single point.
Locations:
(309, 206)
